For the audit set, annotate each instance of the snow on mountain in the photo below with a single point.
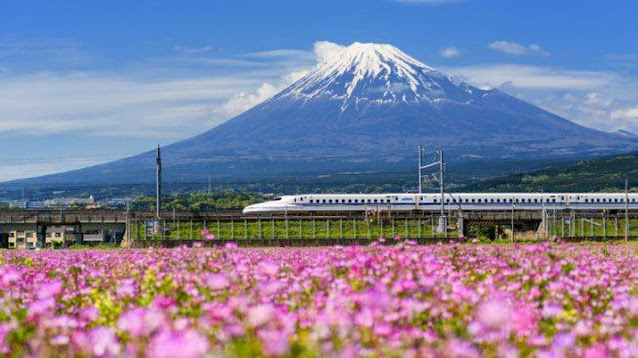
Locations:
(379, 73)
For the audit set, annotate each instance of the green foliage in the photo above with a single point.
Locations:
(293, 228)
(200, 201)
(597, 175)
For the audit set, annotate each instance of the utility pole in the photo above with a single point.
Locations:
(443, 218)
(626, 210)
(128, 222)
(440, 162)
(158, 187)
(420, 168)
(513, 208)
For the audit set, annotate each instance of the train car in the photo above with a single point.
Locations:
(306, 203)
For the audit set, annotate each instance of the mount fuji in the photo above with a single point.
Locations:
(365, 109)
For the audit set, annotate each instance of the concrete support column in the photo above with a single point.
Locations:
(461, 225)
(40, 236)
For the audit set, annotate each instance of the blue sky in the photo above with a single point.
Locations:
(83, 82)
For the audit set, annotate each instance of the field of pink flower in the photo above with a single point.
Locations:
(446, 300)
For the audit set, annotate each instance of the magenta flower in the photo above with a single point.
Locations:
(184, 344)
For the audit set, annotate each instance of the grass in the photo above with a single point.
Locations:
(266, 228)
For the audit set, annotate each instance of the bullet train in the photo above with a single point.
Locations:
(306, 203)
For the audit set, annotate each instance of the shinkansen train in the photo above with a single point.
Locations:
(452, 201)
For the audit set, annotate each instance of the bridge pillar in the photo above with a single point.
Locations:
(79, 238)
(40, 236)
(460, 224)
(442, 224)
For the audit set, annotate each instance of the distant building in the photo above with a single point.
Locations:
(26, 204)
(57, 202)
(28, 239)
(22, 239)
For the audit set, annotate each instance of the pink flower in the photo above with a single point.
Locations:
(50, 289)
(495, 313)
(217, 282)
(184, 344)
(260, 314)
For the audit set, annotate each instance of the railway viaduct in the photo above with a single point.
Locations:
(114, 226)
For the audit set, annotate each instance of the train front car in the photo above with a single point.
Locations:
(281, 205)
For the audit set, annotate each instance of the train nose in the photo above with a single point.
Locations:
(254, 208)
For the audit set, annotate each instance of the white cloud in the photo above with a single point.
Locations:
(517, 49)
(101, 104)
(625, 113)
(597, 99)
(325, 50)
(242, 101)
(282, 53)
(174, 103)
(450, 52)
(44, 53)
(532, 77)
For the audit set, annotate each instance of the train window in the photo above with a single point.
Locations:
(375, 200)
(473, 200)
(554, 200)
(467, 200)
(633, 200)
(324, 201)
(492, 200)
(447, 200)
(435, 200)
(311, 201)
(480, 200)
(587, 200)
(616, 200)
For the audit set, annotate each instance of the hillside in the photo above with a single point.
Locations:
(605, 174)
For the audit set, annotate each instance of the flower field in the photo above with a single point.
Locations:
(404, 300)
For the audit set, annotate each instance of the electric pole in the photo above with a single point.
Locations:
(513, 208)
(443, 218)
(158, 188)
(626, 210)
(420, 168)
(440, 162)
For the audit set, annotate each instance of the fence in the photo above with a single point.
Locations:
(234, 228)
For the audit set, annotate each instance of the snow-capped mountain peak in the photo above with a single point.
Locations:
(376, 73)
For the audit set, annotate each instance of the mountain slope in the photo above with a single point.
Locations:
(603, 174)
(364, 110)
